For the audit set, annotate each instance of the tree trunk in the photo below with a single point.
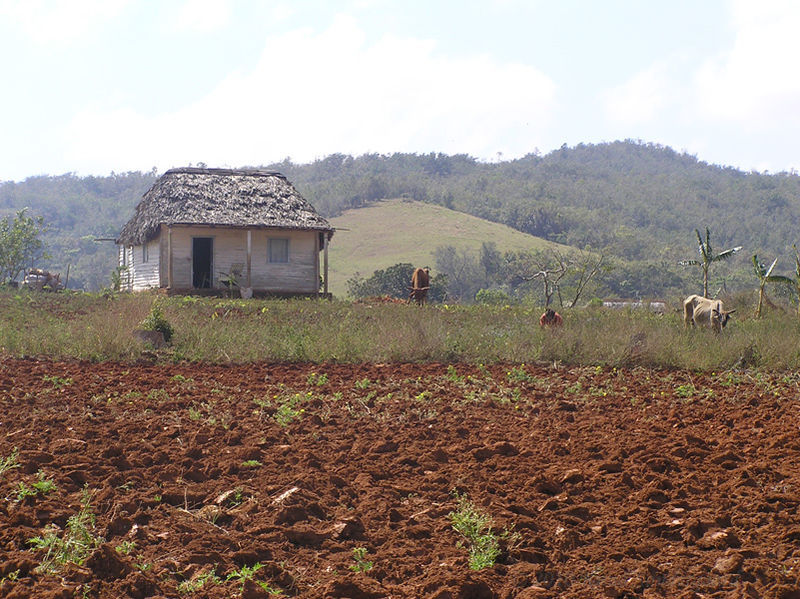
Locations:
(760, 301)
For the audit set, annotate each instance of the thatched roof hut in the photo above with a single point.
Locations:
(201, 228)
(220, 197)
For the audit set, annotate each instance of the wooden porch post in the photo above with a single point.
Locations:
(249, 253)
(325, 262)
(169, 256)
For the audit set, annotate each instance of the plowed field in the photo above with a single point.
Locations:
(340, 480)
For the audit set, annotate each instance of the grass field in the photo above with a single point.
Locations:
(393, 231)
(95, 327)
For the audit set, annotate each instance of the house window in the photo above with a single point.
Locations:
(278, 250)
(145, 253)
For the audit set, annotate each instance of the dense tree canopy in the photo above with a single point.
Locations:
(637, 203)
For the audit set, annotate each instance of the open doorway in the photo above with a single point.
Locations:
(202, 252)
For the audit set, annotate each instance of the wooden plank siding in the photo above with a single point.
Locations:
(146, 272)
(126, 260)
(299, 275)
(141, 274)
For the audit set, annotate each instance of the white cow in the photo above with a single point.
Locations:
(704, 312)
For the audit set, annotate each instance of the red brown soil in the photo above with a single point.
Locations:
(630, 483)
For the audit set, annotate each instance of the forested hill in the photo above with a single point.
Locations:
(639, 202)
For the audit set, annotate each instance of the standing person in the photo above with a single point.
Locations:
(550, 318)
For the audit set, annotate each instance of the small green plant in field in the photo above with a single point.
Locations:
(43, 486)
(729, 379)
(288, 409)
(453, 376)
(126, 547)
(198, 581)
(686, 391)
(251, 464)
(286, 413)
(476, 527)
(574, 388)
(361, 563)
(237, 498)
(74, 545)
(246, 573)
(518, 374)
(156, 321)
(58, 382)
(317, 379)
(12, 461)
(194, 413)
(362, 383)
(142, 565)
(158, 395)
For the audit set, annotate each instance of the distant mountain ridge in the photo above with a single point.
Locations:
(637, 201)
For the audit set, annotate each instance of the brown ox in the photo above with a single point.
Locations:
(704, 312)
(420, 283)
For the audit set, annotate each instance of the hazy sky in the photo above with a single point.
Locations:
(91, 86)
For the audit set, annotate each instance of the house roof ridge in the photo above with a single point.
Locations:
(196, 170)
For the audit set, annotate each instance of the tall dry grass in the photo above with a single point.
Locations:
(94, 327)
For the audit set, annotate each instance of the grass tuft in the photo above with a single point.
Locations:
(76, 543)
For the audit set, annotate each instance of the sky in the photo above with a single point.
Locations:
(92, 87)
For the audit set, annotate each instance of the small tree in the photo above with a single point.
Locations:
(548, 267)
(20, 244)
(795, 283)
(765, 276)
(394, 282)
(708, 256)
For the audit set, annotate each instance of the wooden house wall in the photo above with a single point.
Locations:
(299, 275)
(146, 274)
(125, 257)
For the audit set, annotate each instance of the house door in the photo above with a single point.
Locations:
(202, 251)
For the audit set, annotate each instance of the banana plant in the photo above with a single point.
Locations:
(708, 256)
(765, 276)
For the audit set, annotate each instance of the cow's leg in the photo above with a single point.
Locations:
(688, 314)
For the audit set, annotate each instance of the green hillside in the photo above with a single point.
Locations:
(637, 204)
(392, 231)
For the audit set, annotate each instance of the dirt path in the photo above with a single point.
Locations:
(214, 481)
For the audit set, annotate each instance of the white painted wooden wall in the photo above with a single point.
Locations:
(299, 275)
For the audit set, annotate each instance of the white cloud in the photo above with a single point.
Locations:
(312, 94)
(641, 98)
(59, 21)
(755, 82)
(202, 16)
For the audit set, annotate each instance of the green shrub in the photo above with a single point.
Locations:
(496, 297)
(156, 321)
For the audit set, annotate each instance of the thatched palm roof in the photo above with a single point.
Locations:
(221, 197)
